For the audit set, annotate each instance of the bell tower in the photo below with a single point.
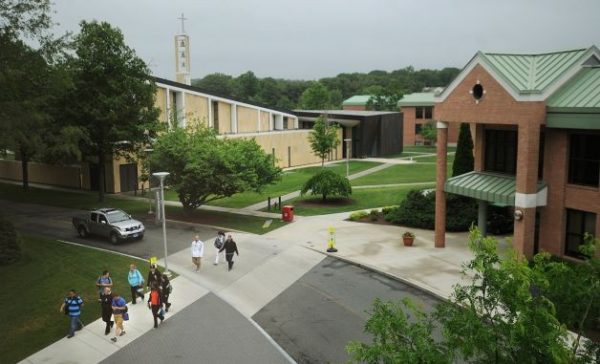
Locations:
(182, 55)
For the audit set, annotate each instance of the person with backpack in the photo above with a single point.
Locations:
(136, 282)
(103, 281)
(219, 242)
(165, 291)
(119, 307)
(155, 304)
(72, 308)
(153, 276)
(230, 247)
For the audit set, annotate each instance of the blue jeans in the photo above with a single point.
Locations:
(76, 324)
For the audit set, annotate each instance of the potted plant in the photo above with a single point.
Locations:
(408, 238)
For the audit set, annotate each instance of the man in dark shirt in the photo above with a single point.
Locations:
(230, 247)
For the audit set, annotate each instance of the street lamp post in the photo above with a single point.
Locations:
(161, 176)
(348, 141)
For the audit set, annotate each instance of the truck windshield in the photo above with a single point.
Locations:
(117, 216)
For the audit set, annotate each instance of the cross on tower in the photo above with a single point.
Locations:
(182, 23)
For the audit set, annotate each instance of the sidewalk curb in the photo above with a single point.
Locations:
(407, 281)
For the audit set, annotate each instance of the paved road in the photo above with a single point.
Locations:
(207, 331)
(317, 316)
(55, 222)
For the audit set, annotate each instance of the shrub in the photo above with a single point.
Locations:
(463, 158)
(327, 183)
(10, 250)
(418, 210)
(374, 214)
(357, 215)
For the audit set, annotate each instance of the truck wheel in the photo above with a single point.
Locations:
(114, 238)
(82, 232)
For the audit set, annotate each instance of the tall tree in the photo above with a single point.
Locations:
(112, 100)
(218, 83)
(323, 138)
(203, 167)
(316, 97)
(25, 18)
(246, 86)
(463, 159)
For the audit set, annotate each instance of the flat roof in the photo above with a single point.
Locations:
(357, 100)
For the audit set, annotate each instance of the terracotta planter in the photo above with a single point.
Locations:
(408, 240)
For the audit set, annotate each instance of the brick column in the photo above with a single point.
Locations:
(526, 186)
(440, 179)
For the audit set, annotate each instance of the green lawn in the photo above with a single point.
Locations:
(33, 290)
(401, 173)
(361, 199)
(433, 158)
(291, 180)
(89, 200)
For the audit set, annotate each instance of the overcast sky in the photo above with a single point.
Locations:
(310, 39)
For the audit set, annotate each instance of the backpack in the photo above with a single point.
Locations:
(219, 242)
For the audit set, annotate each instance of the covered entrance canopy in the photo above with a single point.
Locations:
(497, 189)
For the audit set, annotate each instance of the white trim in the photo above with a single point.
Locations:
(270, 121)
(258, 120)
(217, 98)
(542, 197)
(211, 122)
(441, 125)
(530, 200)
(479, 59)
(168, 110)
(234, 122)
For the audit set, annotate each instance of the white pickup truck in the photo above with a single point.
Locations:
(114, 224)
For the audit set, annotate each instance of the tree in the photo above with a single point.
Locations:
(316, 97)
(204, 168)
(24, 18)
(463, 159)
(506, 311)
(246, 86)
(112, 99)
(429, 133)
(383, 99)
(218, 83)
(10, 249)
(398, 338)
(327, 183)
(323, 138)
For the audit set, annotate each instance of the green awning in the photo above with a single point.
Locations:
(495, 188)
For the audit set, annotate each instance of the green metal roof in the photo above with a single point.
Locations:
(496, 188)
(417, 99)
(533, 73)
(576, 105)
(581, 92)
(357, 100)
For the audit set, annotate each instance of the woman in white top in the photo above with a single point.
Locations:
(219, 242)
(197, 251)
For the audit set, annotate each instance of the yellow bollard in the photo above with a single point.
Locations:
(331, 241)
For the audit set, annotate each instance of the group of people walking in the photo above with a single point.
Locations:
(113, 305)
(221, 244)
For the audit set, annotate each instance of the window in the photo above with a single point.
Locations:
(215, 114)
(584, 159)
(419, 111)
(102, 219)
(94, 217)
(418, 128)
(428, 112)
(578, 223)
(501, 151)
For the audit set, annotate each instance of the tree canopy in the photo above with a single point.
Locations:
(112, 98)
(464, 161)
(323, 138)
(327, 183)
(203, 167)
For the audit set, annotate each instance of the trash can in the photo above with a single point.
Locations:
(287, 213)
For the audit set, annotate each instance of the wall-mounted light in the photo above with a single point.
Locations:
(518, 215)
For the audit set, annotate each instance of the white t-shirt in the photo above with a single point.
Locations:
(197, 248)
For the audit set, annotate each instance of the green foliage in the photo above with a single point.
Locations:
(327, 183)
(464, 161)
(323, 138)
(10, 249)
(418, 210)
(112, 100)
(357, 215)
(24, 18)
(374, 214)
(383, 99)
(402, 333)
(204, 168)
(500, 315)
(287, 93)
(316, 97)
(429, 133)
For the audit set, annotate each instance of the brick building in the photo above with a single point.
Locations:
(417, 110)
(537, 144)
